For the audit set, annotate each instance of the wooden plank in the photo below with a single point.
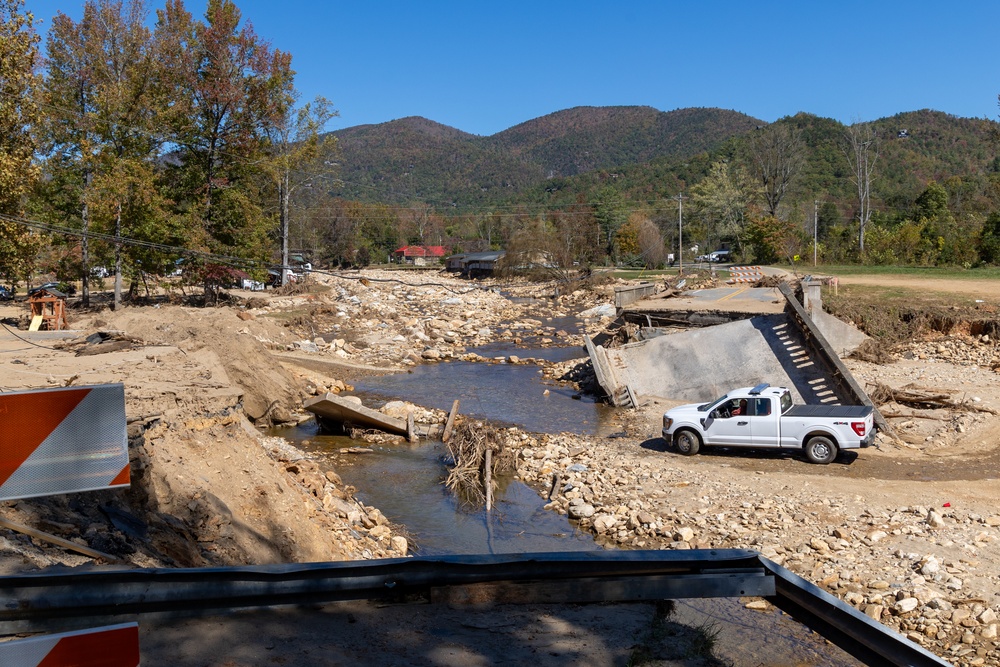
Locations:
(450, 424)
(58, 541)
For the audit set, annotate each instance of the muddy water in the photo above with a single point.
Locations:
(406, 483)
(506, 393)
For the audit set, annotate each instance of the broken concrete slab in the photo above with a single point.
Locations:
(336, 412)
(698, 364)
(334, 409)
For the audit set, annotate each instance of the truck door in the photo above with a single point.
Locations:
(764, 422)
(732, 424)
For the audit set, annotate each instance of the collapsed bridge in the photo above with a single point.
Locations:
(725, 337)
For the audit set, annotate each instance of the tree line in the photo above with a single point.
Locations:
(133, 147)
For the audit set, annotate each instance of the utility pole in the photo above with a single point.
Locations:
(815, 228)
(680, 233)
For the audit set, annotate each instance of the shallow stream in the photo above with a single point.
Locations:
(405, 482)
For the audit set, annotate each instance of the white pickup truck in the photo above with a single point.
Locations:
(764, 417)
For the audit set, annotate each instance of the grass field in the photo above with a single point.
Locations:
(949, 273)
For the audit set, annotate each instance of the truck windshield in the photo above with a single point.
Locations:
(712, 404)
(786, 402)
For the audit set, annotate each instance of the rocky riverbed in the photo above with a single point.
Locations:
(908, 533)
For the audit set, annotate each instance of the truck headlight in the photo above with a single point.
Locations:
(667, 422)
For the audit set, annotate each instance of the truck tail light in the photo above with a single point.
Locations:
(859, 428)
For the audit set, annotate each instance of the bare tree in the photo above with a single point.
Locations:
(862, 151)
(776, 157)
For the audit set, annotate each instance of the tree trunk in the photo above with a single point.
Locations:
(84, 245)
(284, 195)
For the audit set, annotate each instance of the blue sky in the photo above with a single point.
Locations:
(482, 67)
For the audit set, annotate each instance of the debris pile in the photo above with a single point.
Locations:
(480, 451)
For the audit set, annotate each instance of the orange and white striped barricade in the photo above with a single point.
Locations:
(64, 440)
(745, 274)
(109, 646)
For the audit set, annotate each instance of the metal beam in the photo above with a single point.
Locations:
(34, 602)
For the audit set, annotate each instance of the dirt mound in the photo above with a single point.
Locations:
(242, 345)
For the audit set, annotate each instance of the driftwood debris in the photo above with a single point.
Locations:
(922, 398)
(480, 454)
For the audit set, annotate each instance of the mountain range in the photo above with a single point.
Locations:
(648, 154)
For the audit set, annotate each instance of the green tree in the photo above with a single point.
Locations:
(229, 89)
(104, 104)
(989, 241)
(722, 201)
(69, 133)
(18, 114)
(611, 212)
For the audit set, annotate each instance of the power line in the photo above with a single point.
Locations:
(124, 240)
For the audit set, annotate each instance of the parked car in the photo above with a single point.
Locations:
(764, 417)
(6, 294)
(719, 256)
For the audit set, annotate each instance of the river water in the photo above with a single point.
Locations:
(406, 481)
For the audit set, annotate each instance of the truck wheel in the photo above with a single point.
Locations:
(687, 442)
(821, 449)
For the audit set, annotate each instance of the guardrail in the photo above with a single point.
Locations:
(626, 294)
(34, 601)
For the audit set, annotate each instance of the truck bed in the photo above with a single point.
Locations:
(839, 411)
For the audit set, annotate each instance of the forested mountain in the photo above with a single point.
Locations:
(645, 153)
(416, 159)
(575, 141)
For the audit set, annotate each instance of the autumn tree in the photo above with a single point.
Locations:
(772, 239)
(355, 233)
(640, 242)
(297, 158)
(18, 113)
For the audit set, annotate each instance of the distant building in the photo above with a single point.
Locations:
(420, 255)
(474, 264)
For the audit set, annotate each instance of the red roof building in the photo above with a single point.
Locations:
(425, 253)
